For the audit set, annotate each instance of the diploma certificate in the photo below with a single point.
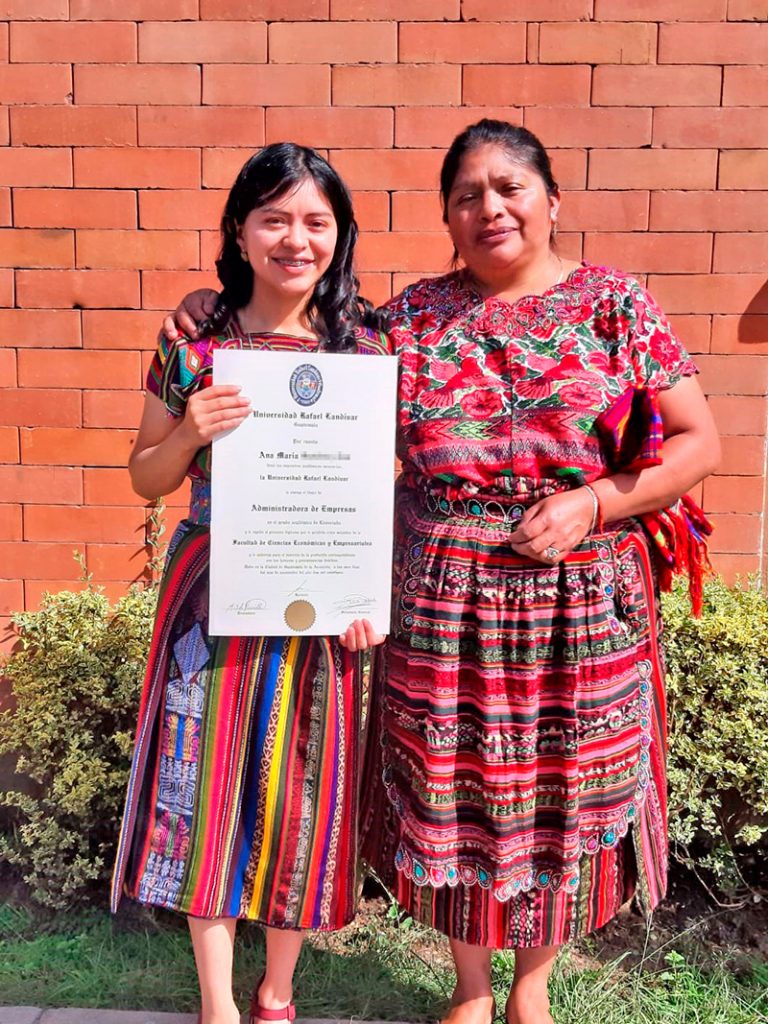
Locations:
(302, 495)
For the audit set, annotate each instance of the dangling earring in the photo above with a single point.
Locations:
(553, 229)
(244, 255)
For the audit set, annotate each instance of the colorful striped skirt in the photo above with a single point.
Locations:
(243, 795)
(518, 740)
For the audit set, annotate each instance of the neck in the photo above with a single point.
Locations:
(275, 314)
(530, 278)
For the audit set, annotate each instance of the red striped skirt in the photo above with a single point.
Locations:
(518, 733)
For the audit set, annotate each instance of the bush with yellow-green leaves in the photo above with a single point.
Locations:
(75, 688)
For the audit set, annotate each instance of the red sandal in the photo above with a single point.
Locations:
(258, 1012)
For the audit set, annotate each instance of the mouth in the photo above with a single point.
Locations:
(292, 264)
(495, 234)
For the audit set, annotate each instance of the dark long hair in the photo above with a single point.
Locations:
(335, 308)
(521, 145)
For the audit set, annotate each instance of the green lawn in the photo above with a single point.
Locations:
(381, 967)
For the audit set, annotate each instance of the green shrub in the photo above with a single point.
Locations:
(717, 683)
(76, 681)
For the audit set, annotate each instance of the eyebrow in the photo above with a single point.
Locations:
(281, 210)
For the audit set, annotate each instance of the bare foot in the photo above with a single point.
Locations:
(480, 1010)
(526, 1007)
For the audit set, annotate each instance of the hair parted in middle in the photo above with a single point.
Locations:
(335, 307)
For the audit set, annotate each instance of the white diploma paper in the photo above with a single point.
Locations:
(302, 495)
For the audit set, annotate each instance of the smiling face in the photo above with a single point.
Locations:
(499, 213)
(290, 241)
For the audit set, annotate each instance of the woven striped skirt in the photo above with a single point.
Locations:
(519, 738)
(243, 795)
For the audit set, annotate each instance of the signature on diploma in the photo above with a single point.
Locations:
(354, 603)
(247, 607)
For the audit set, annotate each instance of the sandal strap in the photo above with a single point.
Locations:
(262, 1013)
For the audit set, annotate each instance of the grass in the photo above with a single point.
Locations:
(383, 966)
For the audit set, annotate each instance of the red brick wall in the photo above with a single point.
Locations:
(120, 132)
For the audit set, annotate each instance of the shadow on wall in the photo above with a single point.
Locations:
(753, 323)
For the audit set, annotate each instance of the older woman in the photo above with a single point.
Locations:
(547, 414)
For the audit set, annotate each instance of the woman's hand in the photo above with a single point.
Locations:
(193, 308)
(212, 411)
(360, 636)
(554, 526)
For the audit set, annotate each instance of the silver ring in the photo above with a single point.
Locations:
(551, 554)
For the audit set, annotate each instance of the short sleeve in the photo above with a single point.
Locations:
(658, 356)
(172, 373)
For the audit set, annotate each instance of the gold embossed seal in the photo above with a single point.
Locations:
(299, 615)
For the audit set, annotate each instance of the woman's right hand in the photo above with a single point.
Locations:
(212, 411)
(193, 308)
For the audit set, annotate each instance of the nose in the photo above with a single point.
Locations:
(491, 205)
(296, 236)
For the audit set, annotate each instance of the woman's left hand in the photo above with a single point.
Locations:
(554, 526)
(360, 636)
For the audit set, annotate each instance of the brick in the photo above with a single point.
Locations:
(651, 252)
(35, 83)
(5, 207)
(742, 456)
(737, 533)
(51, 446)
(32, 247)
(743, 169)
(748, 10)
(710, 293)
(713, 43)
(65, 523)
(221, 166)
(566, 126)
(263, 10)
(74, 208)
(397, 85)
(73, 126)
(5, 130)
(527, 10)
(73, 42)
(396, 10)
(388, 169)
(40, 561)
(203, 42)
(116, 329)
(117, 561)
(436, 126)
(607, 43)
(80, 369)
(163, 289)
(112, 409)
(33, 484)
(78, 289)
(201, 126)
(4, 42)
(333, 43)
(9, 444)
(331, 127)
(652, 169)
(735, 567)
(527, 85)
(7, 369)
(656, 86)
(734, 374)
(372, 210)
(6, 287)
(11, 526)
(734, 494)
(137, 168)
(270, 85)
(132, 10)
(44, 328)
(417, 211)
(377, 288)
(41, 167)
(738, 415)
(113, 487)
(181, 208)
(744, 87)
(694, 331)
(137, 83)
(740, 253)
(30, 407)
(660, 10)
(740, 334)
(11, 600)
(404, 251)
(465, 43)
(34, 10)
(710, 126)
(9, 642)
(592, 211)
(569, 167)
(125, 250)
(709, 211)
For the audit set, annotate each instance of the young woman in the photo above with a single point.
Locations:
(242, 801)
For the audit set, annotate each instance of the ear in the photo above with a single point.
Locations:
(554, 205)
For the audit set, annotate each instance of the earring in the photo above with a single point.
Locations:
(244, 255)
